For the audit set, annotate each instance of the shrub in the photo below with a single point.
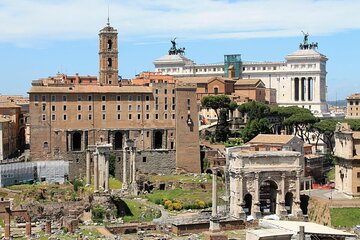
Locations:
(177, 206)
(201, 204)
(98, 213)
(77, 184)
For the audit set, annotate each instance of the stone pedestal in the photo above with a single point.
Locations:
(28, 229)
(215, 236)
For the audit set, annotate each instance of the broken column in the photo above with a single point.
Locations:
(48, 227)
(131, 144)
(125, 183)
(88, 169)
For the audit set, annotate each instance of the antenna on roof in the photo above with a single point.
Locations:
(108, 18)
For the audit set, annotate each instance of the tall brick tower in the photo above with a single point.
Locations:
(108, 56)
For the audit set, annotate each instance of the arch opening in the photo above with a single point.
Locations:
(118, 141)
(289, 202)
(109, 44)
(248, 203)
(76, 141)
(158, 140)
(268, 194)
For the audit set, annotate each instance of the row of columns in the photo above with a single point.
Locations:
(131, 185)
(100, 155)
(303, 89)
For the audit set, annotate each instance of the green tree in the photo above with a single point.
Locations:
(302, 122)
(255, 127)
(254, 110)
(222, 131)
(324, 130)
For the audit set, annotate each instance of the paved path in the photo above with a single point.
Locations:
(104, 231)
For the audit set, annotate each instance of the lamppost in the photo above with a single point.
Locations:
(131, 144)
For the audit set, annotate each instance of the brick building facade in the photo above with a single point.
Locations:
(67, 117)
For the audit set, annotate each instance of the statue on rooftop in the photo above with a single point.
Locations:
(175, 51)
(305, 44)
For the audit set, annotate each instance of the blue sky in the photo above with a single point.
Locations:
(38, 38)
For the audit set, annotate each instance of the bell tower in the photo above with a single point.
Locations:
(108, 56)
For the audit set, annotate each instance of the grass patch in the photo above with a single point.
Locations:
(139, 212)
(179, 178)
(115, 183)
(345, 217)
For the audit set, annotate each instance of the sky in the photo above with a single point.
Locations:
(39, 38)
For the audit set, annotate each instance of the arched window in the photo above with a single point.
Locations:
(76, 141)
(158, 140)
(109, 62)
(118, 140)
(109, 44)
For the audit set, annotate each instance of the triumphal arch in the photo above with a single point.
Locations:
(264, 182)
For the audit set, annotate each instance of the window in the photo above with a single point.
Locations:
(173, 100)
(173, 107)
(156, 107)
(129, 98)
(64, 98)
(165, 99)
(173, 116)
(65, 117)
(147, 116)
(103, 98)
(351, 102)
(36, 98)
(358, 175)
(165, 91)
(216, 91)
(90, 116)
(109, 62)
(79, 108)
(118, 98)
(43, 107)
(53, 108)
(53, 117)
(43, 117)
(129, 116)
(43, 98)
(165, 116)
(166, 107)
(90, 107)
(156, 91)
(53, 98)
(46, 145)
(129, 108)
(109, 44)
(147, 107)
(103, 108)
(138, 107)
(89, 98)
(139, 116)
(156, 116)
(144, 159)
(147, 134)
(147, 98)
(138, 98)
(79, 98)
(173, 91)
(119, 116)
(156, 100)
(118, 107)
(358, 189)
(104, 116)
(79, 117)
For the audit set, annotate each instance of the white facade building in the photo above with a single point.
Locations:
(300, 80)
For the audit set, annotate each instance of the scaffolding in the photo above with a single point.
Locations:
(28, 172)
(235, 61)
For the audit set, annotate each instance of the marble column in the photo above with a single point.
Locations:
(256, 205)
(7, 226)
(296, 205)
(106, 158)
(214, 220)
(282, 210)
(240, 198)
(96, 172)
(101, 170)
(88, 168)
(125, 182)
(133, 172)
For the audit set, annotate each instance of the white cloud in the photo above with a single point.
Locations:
(25, 21)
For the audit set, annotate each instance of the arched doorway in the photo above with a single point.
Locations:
(208, 171)
(289, 202)
(76, 141)
(248, 203)
(118, 141)
(268, 192)
(158, 140)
